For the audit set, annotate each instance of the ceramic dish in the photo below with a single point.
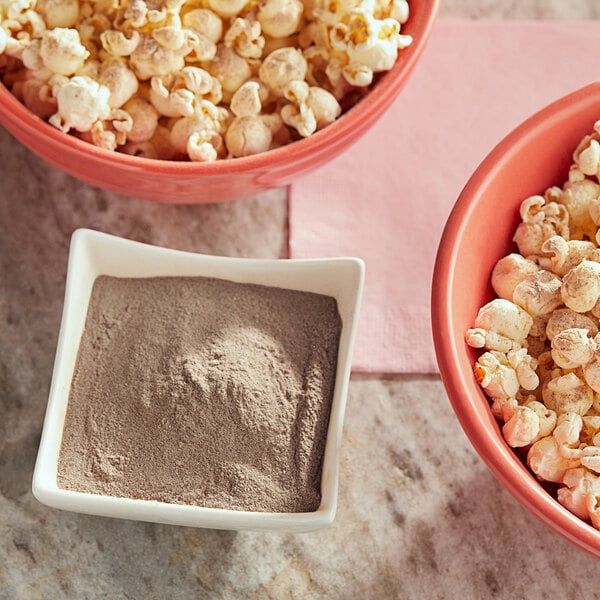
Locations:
(93, 254)
(177, 181)
(478, 233)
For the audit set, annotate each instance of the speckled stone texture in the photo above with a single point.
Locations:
(419, 516)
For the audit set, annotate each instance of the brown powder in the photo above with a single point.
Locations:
(202, 391)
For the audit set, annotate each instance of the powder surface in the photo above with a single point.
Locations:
(202, 391)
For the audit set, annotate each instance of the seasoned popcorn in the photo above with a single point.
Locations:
(500, 325)
(541, 364)
(139, 75)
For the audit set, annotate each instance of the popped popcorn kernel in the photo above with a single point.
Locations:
(151, 59)
(280, 18)
(509, 272)
(580, 487)
(226, 8)
(244, 36)
(116, 43)
(579, 192)
(522, 428)
(144, 119)
(539, 293)
(500, 325)
(568, 393)
(565, 318)
(546, 461)
(591, 372)
(81, 102)
(247, 135)
(496, 376)
(581, 286)
(229, 68)
(560, 255)
(62, 50)
(547, 418)
(37, 96)
(572, 348)
(540, 221)
(119, 79)
(281, 67)
(58, 13)
(246, 101)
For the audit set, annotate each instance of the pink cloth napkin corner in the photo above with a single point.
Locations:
(386, 199)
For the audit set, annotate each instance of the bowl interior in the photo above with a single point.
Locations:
(93, 254)
(478, 233)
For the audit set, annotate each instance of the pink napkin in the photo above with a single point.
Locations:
(387, 198)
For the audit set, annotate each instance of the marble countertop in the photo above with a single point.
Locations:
(419, 514)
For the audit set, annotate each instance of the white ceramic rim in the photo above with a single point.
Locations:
(92, 254)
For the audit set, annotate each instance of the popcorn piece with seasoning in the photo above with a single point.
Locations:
(500, 325)
(540, 221)
(81, 102)
(568, 393)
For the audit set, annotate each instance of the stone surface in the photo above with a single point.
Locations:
(420, 516)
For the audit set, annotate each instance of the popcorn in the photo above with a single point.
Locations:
(564, 255)
(573, 348)
(578, 195)
(539, 293)
(590, 458)
(540, 221)
(591, 373)
(500, 325)
(568, 393)
(371, 45)
(205, 126)
(144, 119)
(247, 135)
(581, 286)
(246, 101)
(546, 461)
(229, 68)
(545, 388)
(244, 36)
(581, 488)
(496, 376)
(81, 102)
(282, 67)
(308, 58)
(117, 43)
(199, 147)
(151, 59)
(546, 418)
(37, 96)
(504, 407)
(566, 433)
(565, 318)
(204, 22)
(509, 272)
(119, 79)
(280, 18)
(62, 51)
(58, 13)
(589, 158)
(226, 8)
(522, 428)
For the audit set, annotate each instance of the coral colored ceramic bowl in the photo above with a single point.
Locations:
(186, 182)
(479, 230)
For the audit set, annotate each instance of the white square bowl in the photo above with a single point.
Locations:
(93, 254)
